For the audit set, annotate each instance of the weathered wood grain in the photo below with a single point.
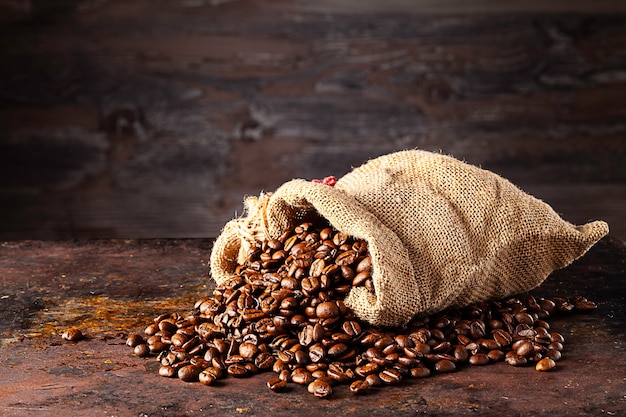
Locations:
(126, 119)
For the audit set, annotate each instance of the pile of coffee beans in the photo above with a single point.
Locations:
(283, 312)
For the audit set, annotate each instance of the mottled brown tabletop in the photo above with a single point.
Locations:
(110, 288)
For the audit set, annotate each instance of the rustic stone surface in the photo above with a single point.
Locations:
(109, 289)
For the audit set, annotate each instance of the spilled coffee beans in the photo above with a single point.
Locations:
(283, 311)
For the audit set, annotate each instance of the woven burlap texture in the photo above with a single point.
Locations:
(441, 233)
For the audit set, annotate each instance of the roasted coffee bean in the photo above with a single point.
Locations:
(525, 348)
(238, 370)
(151, 329)
(337, 350)
(556, 337)
(326, 310)
(364, 264)
(301, 376)
(168, 325)
(502, 337)
(461, 354)
(134, 340)
(360, 278)
(336, 372)
(189, 373)
(359, 386)
(347, 258)
(555, 355)
(545, 364)
(477, 329)
(489, 344)
(524, 318)
(179, 339)
(444, 366)
(72, 335)
(479, 359)
(248, 350)
(142, 350)
(320, 388)
(515, 359)
(317, 352)
(167, 371)
(277, 384)
(390, 376)
(216, 372)
(420, 372)
(496, 355)
(555, 346)
(206, 377)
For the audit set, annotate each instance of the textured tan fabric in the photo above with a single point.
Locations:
(441, 233)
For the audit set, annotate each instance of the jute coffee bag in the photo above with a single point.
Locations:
(440, 233)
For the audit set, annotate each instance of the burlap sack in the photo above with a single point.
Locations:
(440, 232)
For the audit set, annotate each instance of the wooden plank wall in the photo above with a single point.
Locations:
(153, 118)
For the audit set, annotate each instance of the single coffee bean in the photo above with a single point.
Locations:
(264, 361)
(317, 352)
(444, 366)
(477, 329)
(502, 337)
(72, 335)
(555, 355)
(276, 384)
(151, 329)
(524, 318)
(347, 258)
(479, 359)
(301, 376)
(496, 355)
(320, 388)
(367, 369)
(420, 372)
(326, 310)
(167, 371)
(545, 364)
(168, 326)
(167, 358)
(359, 386)
(189, 373)
(337, 350)
(555, 346)
(461, 354)
(142, 350)
(248, 350)
(285, 375)
(238, 370)
(360, 278)
(489, 344)
(206, 378)
(134, 340)
(390, 376)
(525, 348)
(364, 264)
(216, 372)
(516, 360)
(179, 339)
(352, 328)
(336, 372)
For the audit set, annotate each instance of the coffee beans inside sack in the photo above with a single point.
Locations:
(405, 267)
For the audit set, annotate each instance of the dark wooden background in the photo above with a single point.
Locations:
(153, 118)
